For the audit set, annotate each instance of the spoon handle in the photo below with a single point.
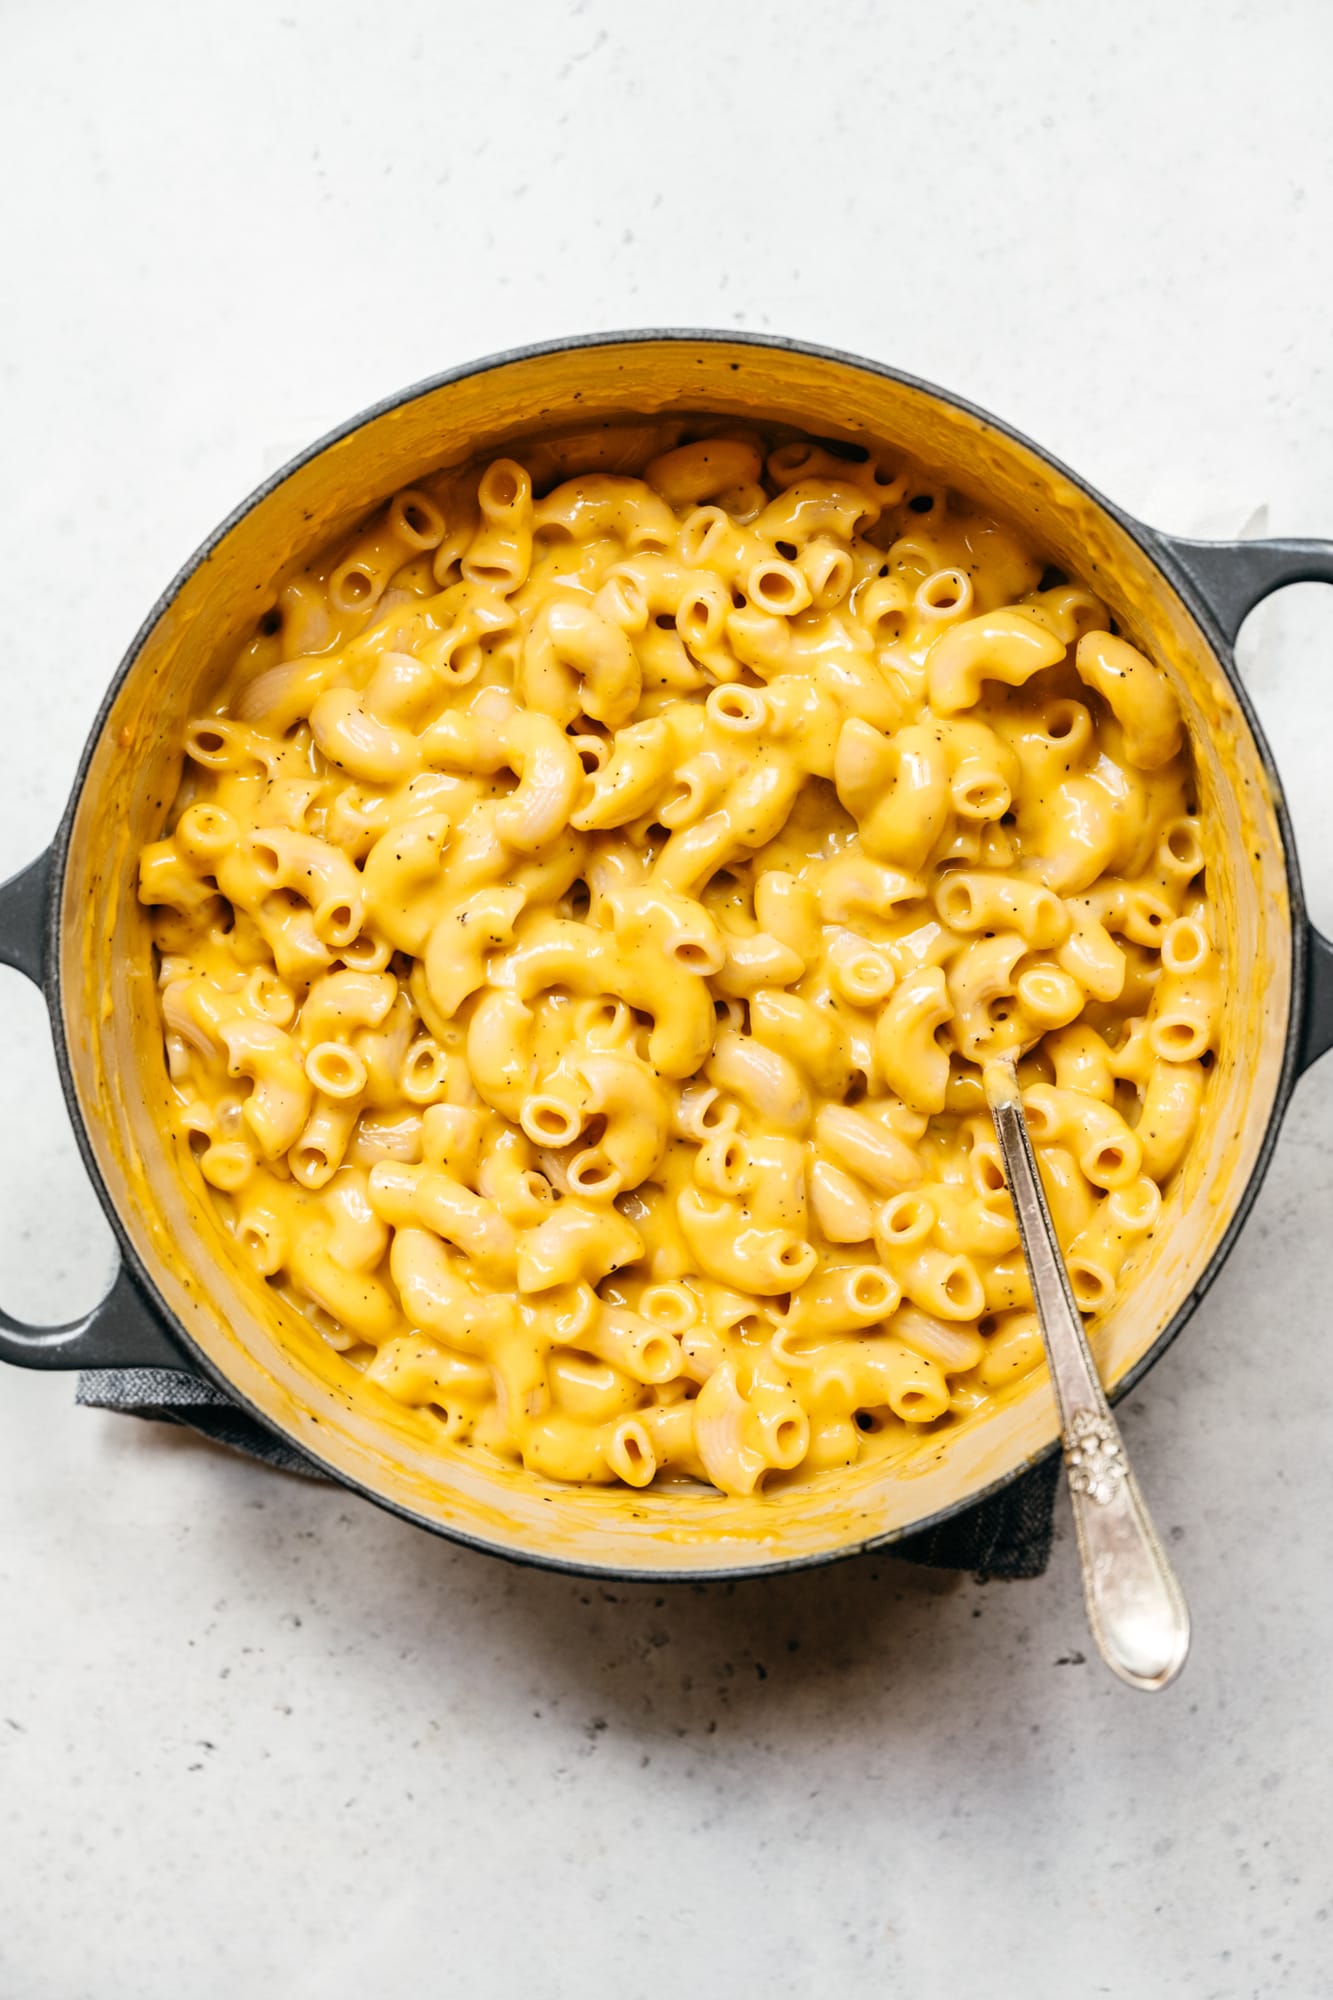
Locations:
(1136, 1608)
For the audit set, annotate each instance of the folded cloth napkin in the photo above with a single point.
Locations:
(1009, 1536)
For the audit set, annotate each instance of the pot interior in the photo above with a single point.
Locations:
(273, 1358)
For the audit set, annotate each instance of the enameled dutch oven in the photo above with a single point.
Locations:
(72, 923)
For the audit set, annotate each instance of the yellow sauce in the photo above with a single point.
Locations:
(583, 922)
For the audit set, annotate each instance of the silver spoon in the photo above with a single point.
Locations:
(1136, 1608)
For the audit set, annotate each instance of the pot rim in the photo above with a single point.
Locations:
(1158, 550)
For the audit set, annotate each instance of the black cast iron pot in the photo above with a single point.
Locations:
(72, 923)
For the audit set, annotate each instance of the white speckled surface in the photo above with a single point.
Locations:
(255, 1737)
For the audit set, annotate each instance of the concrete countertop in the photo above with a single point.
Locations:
(256, 1737)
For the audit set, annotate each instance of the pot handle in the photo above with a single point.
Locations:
(1231, 578)
(122, 1330)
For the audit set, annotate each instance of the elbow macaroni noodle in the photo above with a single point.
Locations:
(586, 912)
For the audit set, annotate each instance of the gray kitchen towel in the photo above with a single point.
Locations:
(1006, 1537)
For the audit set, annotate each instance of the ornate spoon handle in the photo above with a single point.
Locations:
(1136, 1608)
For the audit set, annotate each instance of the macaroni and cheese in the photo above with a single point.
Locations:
(584, 917)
